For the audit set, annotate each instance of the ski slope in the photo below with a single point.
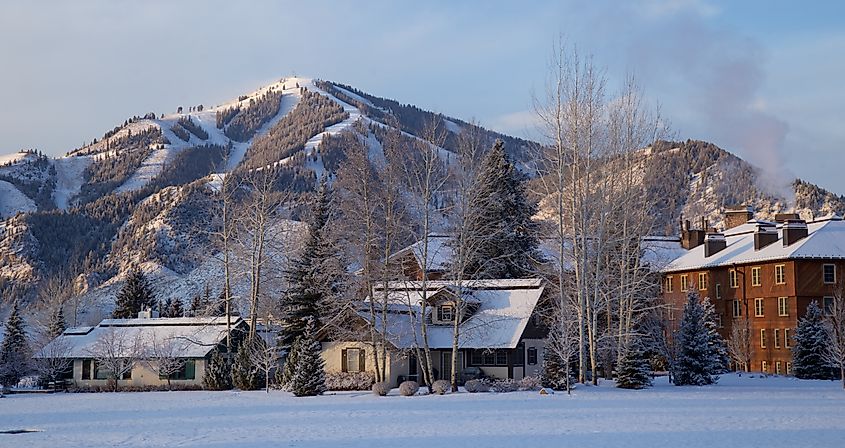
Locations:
(13, 201)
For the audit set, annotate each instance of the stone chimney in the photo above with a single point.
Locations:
(764, 235)
(738, 215)
(714, 243)
(794, 230)
(691, 238)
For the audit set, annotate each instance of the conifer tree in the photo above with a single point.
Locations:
(218, 376)
(634, 370)
(694, 362)
(197, 307)
(501, 207)
(718, 348)
(14, 351)
(309, 374)
(244, 372)
(57, 322)
(175, 309)
(136, 295)
(808, 361)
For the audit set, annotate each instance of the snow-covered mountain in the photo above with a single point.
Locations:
(138, 194)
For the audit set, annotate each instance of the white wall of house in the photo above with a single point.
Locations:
(142, 375)
(332, 355)
(537, 368)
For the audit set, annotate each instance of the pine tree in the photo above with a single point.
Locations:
(718, 348)
(286, 374)
(244, 373)
(314, 277)
(164, 308)
(810, 344)
(176, 309)
(505, 237)
(694, 362)
(14, 351)
(309, 374)
(197, 308)
(136, 295)
(217, 373)
(634, 370)
(57, 322)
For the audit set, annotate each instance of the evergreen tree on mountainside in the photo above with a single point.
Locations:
(136, 295)
(57, 324)
(314, 277)
(172, 308)
(504, 237)
(695, 362)
(14, 351)
(634, 369)
(811, 341)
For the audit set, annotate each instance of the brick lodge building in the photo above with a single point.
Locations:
(761, 274)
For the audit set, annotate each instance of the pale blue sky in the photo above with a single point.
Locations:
(760, 78)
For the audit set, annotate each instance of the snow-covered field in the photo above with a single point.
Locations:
(738, 412)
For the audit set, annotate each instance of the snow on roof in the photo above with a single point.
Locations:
(504, 308)
(193, 337)
(825, 240)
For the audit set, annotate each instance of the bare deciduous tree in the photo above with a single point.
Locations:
(835, 329)
(116, 351)
(739, 344)
(162, 355)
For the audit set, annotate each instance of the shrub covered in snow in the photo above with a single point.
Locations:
(473, 386)
(530, 383)
(409, 388)
(381, 389)
(441, 387)
(506, 385)
(349, 380)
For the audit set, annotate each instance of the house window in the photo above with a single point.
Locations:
(777, 368)
(104, 374)
(702, 281)
(777, 337)
(829, 274)
(684, 282)
(758, 307)
(762, 338)
(186, 372)
(783, 306)
(765, 366)
(489, 358)
(669, 283)
(732, 277)
(532, 356)
(718, 291)
(737, 308)
(353, 360)
(786, 343)
(827, 305)
(755, 277)
(86, 369)
(445, 313)
(780, 276)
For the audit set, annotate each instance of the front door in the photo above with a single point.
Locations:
(446, 365)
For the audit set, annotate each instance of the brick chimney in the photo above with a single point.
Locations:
(691, 238)
(783, 217)
(714, 243)
(764, 235)
(738, 215)
(794, 230)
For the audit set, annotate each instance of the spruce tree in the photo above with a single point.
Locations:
(505, 241)
(197, 308)
(810, 344)
(164, 308)
(176, 309)
(57, 322)
(309, 374)
(634, 369)
(218, 376)
(14, 351)
(694, 362)
(136, 295)
(718, 348)
(244, 372)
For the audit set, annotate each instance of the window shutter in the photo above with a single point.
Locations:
(343, 360)
(362, 360)
(86, 369)
(190, 369)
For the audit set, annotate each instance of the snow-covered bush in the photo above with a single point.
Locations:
(506, 385)
(350, 380)
(530, 383)
(409, 388)
(441, 387)
(381, 389)
(473, 386)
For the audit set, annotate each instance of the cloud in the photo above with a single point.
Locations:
(522, 123)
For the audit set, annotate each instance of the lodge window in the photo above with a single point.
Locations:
(755, 277)
(762, 338)
(780, 276)
(532, 356)
(445, 313)
(788, 368)
(737, 308)
(734, 281)
(777, 339)
(684, 282)
(668, 283)
(829, 273)
(718, 291)
(783, 306)
(758, 307)
(719, 321)
(670, 311)
(353, 360)
(489, 358)
(777, 367)
(786, 343)
(827, 305)
(765, 366)
(702, 281)
(186, 372)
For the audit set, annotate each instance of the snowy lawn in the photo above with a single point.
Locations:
(739, 412)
